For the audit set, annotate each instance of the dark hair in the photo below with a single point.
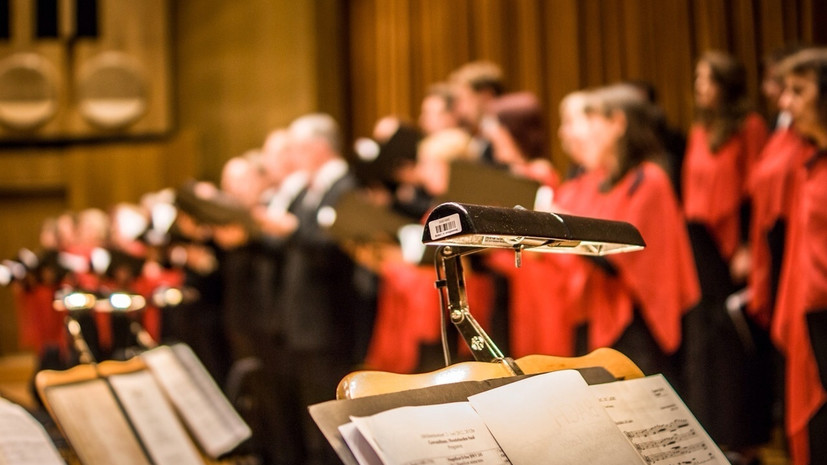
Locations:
(521, 114)
(777, 55)
(725, 119)
(810, 60)
(639, 142)
(646, 87)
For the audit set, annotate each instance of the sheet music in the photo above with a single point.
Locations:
(23, 441)
(94, 424)
(553, 418)
(237, 429)
(208, 414)
(449, 434)
(358, 445)
(162, 434)
(657, 422)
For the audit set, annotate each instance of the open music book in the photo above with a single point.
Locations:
(207, 413)
(157, 409)
(552, 418)
(23, 441)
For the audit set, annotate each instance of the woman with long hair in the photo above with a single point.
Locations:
(799, 327)
(633, 302)
(726, 377)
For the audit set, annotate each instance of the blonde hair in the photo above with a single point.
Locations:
(480, 75)
(446, 145)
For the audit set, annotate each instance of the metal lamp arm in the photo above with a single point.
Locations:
(482, 346)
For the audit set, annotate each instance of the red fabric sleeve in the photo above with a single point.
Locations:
(408, 314)
(661, 279)
(803, 287)
(715, 184)
(770, 188)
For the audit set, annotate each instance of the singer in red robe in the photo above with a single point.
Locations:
(771, 192)
(800, 324)
(515, 125)
(728, 381)
(632, 302)
(408, 311)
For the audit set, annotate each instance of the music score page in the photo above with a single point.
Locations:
(449, 434)
(23, 441)
(549, 419)
(553, 419)
(657, 422)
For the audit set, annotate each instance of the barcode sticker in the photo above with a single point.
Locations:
(445, 226)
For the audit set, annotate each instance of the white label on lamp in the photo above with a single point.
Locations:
(445, 226)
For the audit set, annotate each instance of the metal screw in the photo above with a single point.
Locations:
(477, 343)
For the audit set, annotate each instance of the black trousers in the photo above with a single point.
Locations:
(817, 326)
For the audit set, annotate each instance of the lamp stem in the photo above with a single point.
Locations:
(482, 346)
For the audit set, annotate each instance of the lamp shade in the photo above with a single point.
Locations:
(479, 226)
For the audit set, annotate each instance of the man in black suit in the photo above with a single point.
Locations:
(474, 86)
(318, 294)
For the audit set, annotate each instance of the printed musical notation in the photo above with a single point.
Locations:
(548, 418)
(671, 427)
(679, 451)
(658, 424)
(668, 440)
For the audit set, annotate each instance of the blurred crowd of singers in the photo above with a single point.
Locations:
(728, 300)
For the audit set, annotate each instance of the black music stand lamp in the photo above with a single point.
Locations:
(462, 229)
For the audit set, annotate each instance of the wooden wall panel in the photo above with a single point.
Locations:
(393, 53)
(115, 83)
(770, 15)
(439, 45)
(363, 67)
(592, 38)
(489, 27)
(744, 39)
(792, 21)
(562, 60)
(248, 66)
(528, 36)
(710, 25)
(635, 29)
(613, 40)
(672, 65)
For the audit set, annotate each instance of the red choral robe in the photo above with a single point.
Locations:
(803, 288)
(771, 190)
(152, 277)
(408, 314)
(541, 312)
(539, 292)
(659, 280)
(536, 324)
(39, 324)
(715, 184)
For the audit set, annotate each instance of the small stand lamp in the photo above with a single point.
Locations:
(462, 229)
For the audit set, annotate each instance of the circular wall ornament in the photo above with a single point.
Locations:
(28, 91)
(111, 90)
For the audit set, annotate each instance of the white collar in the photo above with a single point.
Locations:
(329, 173)
(287, 191)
